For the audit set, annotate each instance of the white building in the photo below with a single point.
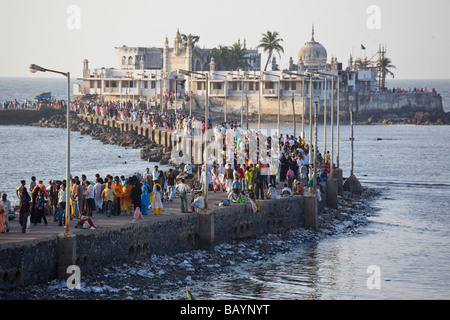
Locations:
(144, 74)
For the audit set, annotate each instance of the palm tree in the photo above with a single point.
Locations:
(195, 48)
(270, 42)
(238, 57)
(362, 64)
(383, 66)
(222, 57)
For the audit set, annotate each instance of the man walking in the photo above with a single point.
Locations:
(183, 190)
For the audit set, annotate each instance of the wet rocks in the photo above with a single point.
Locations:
(164, 277)
(417, 118)
(151, 151)
(352, 185)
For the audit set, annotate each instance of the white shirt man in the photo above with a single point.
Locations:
(155, 173)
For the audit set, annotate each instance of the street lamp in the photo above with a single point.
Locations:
(332, 117)
(33, 69)
(279, 106)
(163, 76)
(303, 76)
(189, 74)
(226, 94)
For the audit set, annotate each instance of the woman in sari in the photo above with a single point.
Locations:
(24, 209)
(126, 202)
(156, 198)
(145, 198)
(98, 194)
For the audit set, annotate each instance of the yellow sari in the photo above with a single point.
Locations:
(126, 203)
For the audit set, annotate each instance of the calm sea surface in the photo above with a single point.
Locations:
(407, 239)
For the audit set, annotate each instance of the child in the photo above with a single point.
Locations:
(242, 198)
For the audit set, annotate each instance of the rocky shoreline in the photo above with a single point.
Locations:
(164, 277)
(150, 151)
(407, 117)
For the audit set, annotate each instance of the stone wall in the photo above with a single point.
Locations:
(34, 262)
(27, 116)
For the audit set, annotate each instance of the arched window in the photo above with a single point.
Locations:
(124, 60)
(130, 60)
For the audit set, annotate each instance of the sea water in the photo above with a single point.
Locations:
(405, 245)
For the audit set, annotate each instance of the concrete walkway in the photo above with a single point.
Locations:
(41, 232)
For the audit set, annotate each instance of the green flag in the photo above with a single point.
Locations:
(190, 296)
(363, 48)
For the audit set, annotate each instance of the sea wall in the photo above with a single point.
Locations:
(363, 104)
(37, 261)
(392, 101)
(27, 116)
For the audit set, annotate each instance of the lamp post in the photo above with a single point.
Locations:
(205, 183)
(279, 101)
(33, 69)
(226, 93)
(337, 124)
(315, 148)
(303, 76)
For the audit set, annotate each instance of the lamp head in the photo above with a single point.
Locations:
(35, 68)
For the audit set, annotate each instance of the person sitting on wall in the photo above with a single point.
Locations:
(272, 192)
(286, 192)
(242, 198)
(199, 203)
(234, 195)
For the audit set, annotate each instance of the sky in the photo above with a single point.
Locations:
(60, 34)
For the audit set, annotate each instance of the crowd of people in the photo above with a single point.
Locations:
(241, 183)
(109, 195)
(143, 194)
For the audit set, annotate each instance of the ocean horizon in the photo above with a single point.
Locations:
(26, 88)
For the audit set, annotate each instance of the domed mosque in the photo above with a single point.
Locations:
(312, 55)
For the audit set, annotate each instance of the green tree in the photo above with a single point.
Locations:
(194, 46)
(238, 59)
(270, 43)
(362, 64)
(222, 57)
(384, 64)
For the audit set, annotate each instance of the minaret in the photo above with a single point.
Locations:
(165, 54)
(212, 65)
(189, 54)
(188, 64)
(142, 62)
(177, 43)
(85, 68)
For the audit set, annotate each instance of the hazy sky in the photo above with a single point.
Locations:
(60, 34)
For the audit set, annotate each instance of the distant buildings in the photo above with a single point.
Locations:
(144, 74)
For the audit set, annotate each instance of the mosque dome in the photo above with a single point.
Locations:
(313, 54)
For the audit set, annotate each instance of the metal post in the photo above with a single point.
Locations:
(226, 94)
(242, 102)
(68, 157)
(315, 148)
(351, 140)
(279, 108)
(206, 186)
(310, 123)
(293, 113)
(259, 103)
(325, 119)
(332, 128)
(337, 115)
(303, 108)
(190, 96)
